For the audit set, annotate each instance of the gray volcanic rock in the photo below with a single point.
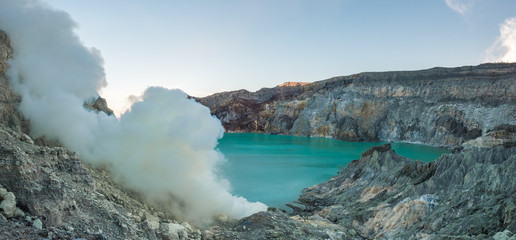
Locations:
(466, 195)
(47, 192)
(71, 199)
(384, 195)
(9, 100)
(439, 106)
(280, 225)
(99, 105)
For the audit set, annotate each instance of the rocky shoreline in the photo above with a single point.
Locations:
(47, 192)
(466, 195)
(444, 107)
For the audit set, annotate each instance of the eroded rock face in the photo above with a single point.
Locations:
(9, 100)
(466, 195)
(469, 193)
(439, 106)
(69, 197)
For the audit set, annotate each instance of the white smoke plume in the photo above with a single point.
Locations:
(164, 147)
(504, 49)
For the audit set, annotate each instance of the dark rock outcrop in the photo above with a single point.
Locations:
(467, 195)
(439, 106)
(9, 100)
(99, 105)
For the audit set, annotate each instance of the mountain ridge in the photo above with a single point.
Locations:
(443, 107)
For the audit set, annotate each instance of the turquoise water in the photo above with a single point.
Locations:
(274, 169)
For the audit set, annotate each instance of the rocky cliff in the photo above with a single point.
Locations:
(466, 195)
(440, 106)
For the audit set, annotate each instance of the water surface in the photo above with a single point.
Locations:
(274, 169)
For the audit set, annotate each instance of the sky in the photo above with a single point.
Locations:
(209, 46)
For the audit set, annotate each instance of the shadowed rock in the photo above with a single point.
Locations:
(99, 105)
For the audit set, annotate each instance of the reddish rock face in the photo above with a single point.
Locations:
(293, 84)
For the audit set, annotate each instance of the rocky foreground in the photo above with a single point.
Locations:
(466, 195)
(47, 192)
(440, 106)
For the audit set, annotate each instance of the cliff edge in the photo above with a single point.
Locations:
(444, 107)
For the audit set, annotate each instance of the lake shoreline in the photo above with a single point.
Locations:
(257, 163)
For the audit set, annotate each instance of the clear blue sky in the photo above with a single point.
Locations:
(203, 47)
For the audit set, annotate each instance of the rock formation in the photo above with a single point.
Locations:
(466, 195)
(439, 106)
(99, 105)
(47, 192)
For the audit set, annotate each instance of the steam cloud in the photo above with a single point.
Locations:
(164, 147)
(504, 49)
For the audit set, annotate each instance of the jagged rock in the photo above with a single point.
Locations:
(37, 224)
(175, 231)
(471, 193)
(504, 134)
(439, 106)
(381, 148)
(99, 105)
(68, 196)
(13, 229)
(505, 235)
(279, 225)
(9, 100)
(8, 203)
(466, 195)
(152, 221)
(19, 213)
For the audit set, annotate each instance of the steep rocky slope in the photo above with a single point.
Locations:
(9, 116)
(466, 195)
(439, 106)
(46, 191)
